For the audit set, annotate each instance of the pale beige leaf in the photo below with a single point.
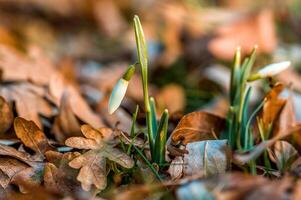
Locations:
(207, 157)
(81, 143)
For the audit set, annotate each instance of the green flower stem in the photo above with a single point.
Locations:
(142, 55)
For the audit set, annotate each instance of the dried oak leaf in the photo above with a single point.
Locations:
(60, 178)
(65, 124)
(29, 100)
(26, 171)
(92, 164)
(6, 115)
(8, 168)
(197, 126)
(37, 68)
(31, 136)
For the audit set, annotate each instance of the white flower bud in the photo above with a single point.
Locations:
(117, 95)
(273, 69)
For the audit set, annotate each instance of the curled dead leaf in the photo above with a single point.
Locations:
(6, 115)
(273, 105)
(197, 126)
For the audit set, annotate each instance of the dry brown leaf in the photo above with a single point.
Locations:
(58, 86)
(273, 105)
(197, 126)
(59, 177)
(28, 178)
(8, 168)
(29, 100)
(92, 164)
(297, 192)
(6, 115)
(238, 186)
(255, 29)
(286, 118)
(18, 67)
(25, 176)
(31, 136)
(22, 156)
(65, 125)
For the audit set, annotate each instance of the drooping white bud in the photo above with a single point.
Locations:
(273, 69)
(270, 70)
(117, 95)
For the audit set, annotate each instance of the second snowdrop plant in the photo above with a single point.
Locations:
(270, 70)
(156, 131)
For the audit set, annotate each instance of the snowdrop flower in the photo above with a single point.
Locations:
(119, 90)
(270, 70)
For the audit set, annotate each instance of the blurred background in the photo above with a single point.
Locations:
(191, 44)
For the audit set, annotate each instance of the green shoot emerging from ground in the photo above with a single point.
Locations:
(156, 132)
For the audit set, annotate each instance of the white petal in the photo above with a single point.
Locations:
(273, 69)
(117, 95)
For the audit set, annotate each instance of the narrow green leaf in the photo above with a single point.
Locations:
(248, 132)
(247, 68)
(235, 74)
(244, 115)
(153, 116)
(160, 142)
